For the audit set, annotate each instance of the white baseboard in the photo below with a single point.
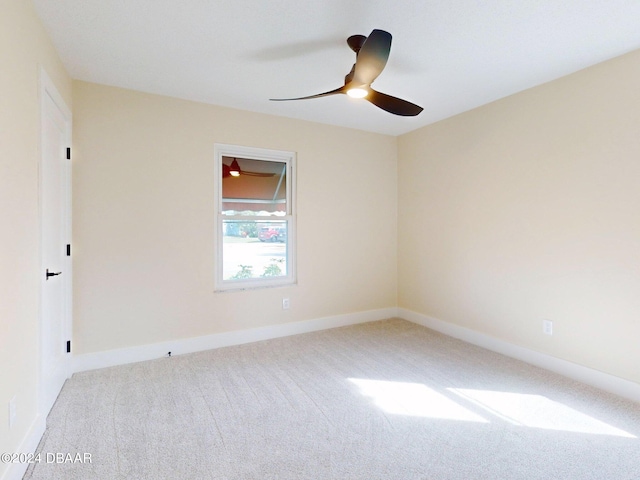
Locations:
(589, 376)
(110, 358)
(29, 445)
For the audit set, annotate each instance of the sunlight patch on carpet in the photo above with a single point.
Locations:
(536, 411)
(414, 399)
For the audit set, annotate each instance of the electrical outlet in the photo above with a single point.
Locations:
(285, 304)
(547, 327)
(12, 412)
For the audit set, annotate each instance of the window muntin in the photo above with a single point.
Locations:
(255, 220)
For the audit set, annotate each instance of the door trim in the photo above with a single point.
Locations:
(48, 91)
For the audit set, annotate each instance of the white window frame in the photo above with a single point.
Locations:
(288, 158)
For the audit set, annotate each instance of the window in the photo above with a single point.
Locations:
(255, 217)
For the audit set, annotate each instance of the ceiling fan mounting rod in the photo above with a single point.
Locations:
(355, 42)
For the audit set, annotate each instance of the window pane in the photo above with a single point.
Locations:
(255, 217)
(254, 249)
(253, 187)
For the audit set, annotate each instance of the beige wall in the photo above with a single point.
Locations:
(517, 211)
(528, 209)
(24, 46)
(143, 219)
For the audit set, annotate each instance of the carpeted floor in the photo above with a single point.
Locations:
(383, 400)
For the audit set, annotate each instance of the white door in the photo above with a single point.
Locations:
(55, 306)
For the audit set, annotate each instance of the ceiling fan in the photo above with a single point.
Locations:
(372, 53)
(234, 170)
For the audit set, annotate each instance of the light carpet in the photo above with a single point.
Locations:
(383, 400)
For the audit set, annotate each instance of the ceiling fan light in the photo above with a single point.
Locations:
(357, 92)
(234, 170)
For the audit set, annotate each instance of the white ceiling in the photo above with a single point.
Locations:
(448, 56)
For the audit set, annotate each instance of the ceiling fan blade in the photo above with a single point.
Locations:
(372, 57)
(325, 94)
(258, 174)
(235, 167)
(394, 105)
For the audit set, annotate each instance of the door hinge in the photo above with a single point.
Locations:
(68, 153)
(68, 346)
(68, 250)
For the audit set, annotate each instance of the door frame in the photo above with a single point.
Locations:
(48, 91)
